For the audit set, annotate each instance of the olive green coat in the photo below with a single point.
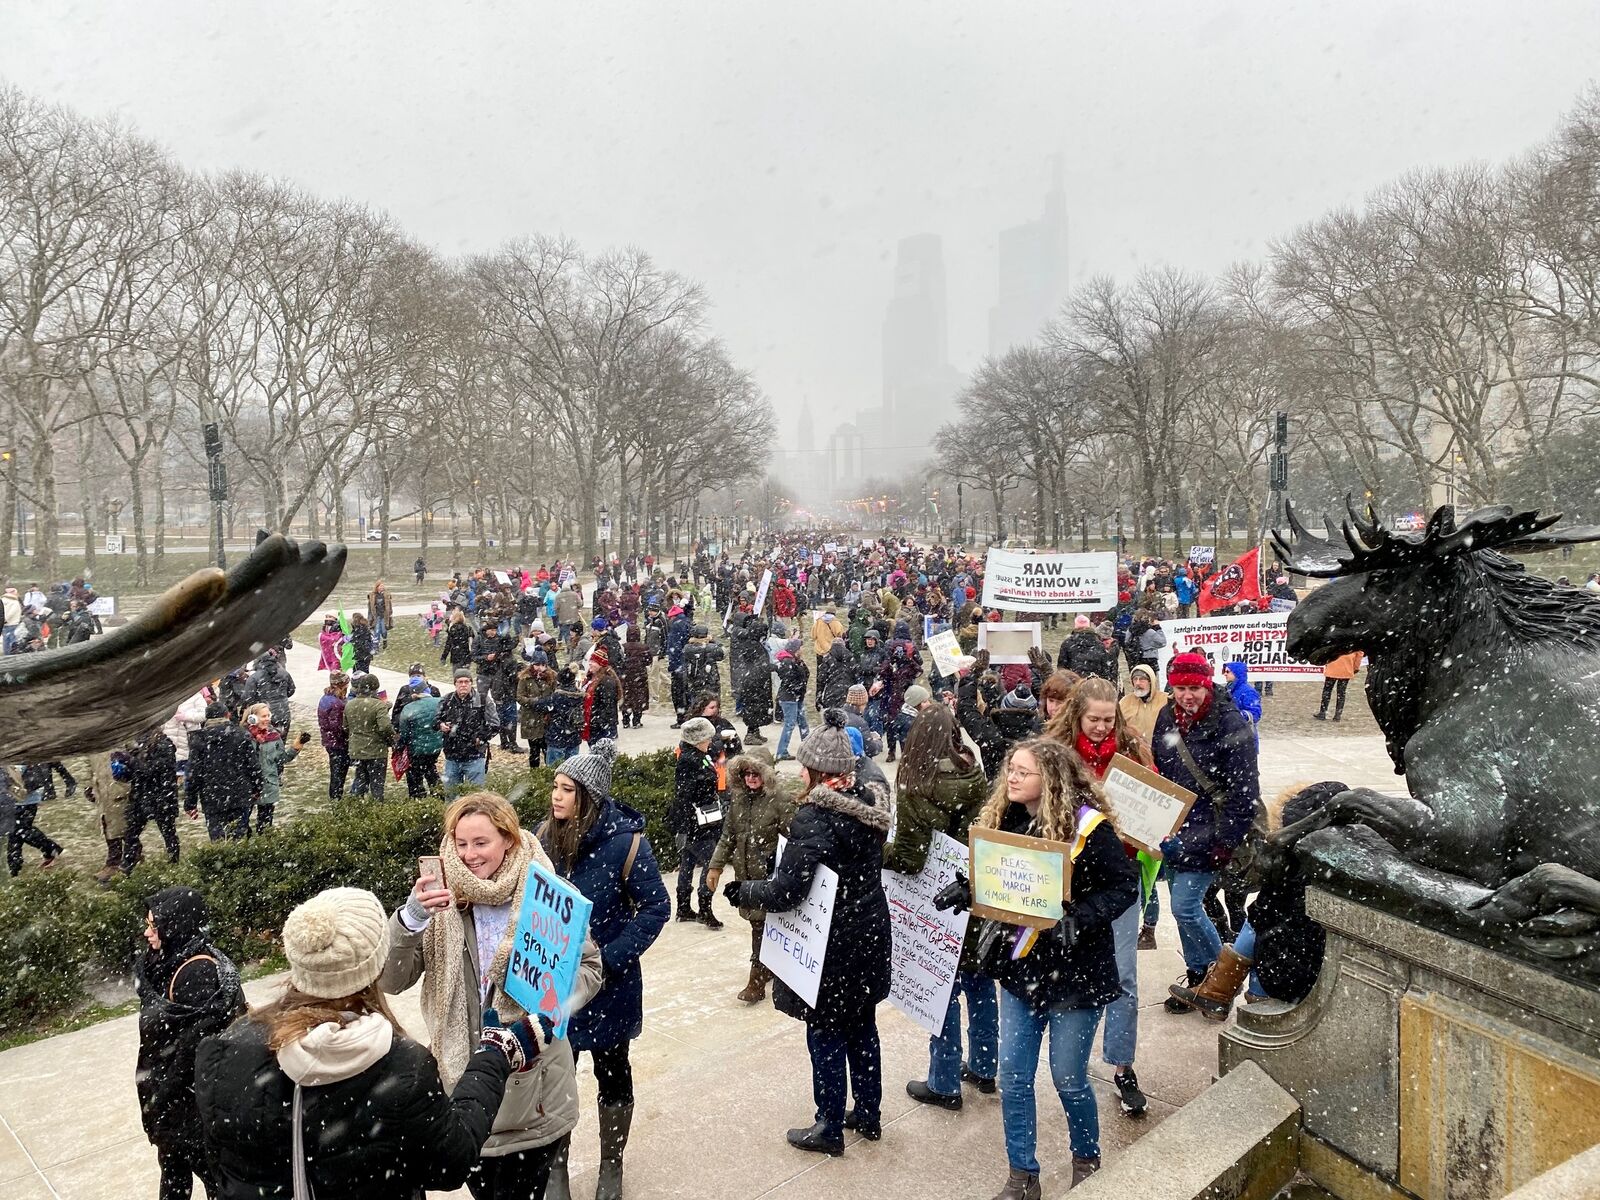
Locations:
(366, 722)
(749, 842)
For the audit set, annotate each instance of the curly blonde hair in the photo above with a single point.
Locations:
(1065, 784)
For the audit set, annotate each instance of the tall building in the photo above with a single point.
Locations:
(844, 459)
(806, 438)
(1033, 272)
(919, 385)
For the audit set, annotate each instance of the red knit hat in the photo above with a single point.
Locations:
(1189, 669)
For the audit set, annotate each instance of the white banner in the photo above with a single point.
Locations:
(927, 943)
(793, 943)
(761, 591)
(1258, 639)
(1039, 581)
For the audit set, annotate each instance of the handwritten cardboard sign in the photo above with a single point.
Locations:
(1019, 880)
(1148, 808)
(794, 943)
(547, 946)
(926, 950)
(946, 652)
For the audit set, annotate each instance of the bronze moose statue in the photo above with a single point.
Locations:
(1485, 680)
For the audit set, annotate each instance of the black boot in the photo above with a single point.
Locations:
(816, 1140)
(615, 1121)
(1176, 1006)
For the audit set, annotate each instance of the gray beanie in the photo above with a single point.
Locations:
(828, 749)
(593, 769)
(336, 942)
(698, 730)
(917, 695)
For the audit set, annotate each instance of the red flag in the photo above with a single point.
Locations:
(1239, 580)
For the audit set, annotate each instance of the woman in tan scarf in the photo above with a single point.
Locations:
(457, 938)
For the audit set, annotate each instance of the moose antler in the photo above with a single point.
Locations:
(1373, 548)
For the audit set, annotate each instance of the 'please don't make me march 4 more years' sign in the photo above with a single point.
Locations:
(547, 946)
(1043, 581)
(1019, 880)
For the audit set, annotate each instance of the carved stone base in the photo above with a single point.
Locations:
(1445, 1070)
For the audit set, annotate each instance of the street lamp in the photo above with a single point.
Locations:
(605, 535)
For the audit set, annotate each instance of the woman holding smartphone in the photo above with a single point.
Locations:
(454, 933)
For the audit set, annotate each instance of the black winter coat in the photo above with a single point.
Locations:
(844, 831)
(700, 670)
(384, 1134)
(457, 645)
(1289, 944)
(1085, 653)
(694, 790)
(1223, 745)
(153, 789)
(793, 678)
(224, 770)
(1074, 965)
(188, 991)
(473, 724)
(836, 671)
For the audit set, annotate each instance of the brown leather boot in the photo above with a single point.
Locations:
(755, 991)
(1082, 1168)
(1214, 995)
(1020, 1185)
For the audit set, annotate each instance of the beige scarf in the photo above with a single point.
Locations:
(446, 992)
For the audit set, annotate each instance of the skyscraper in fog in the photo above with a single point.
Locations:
(919, 385)
(1033, 272)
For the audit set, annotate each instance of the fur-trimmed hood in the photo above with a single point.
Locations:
(873, 811)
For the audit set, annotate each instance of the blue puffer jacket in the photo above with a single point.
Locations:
(1223, 745)
(1245, 697)
(625, 921)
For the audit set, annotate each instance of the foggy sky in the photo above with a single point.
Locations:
(777, 151)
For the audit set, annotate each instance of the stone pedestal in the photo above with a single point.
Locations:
(1425, 1066)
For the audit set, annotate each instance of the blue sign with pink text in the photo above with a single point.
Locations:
(547, 946)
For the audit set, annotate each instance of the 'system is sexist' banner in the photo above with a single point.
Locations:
(1043, 581)
(1260, 640)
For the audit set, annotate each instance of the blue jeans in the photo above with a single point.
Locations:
(1244, 945)
(1201, 943)
(8, 639)
(1071, 1039)
(983, 1036)
(556, 755)
(793, 714)
(1122, 1014)
(380, 631)
(831, 1052)
(875, 715)
(465, 770)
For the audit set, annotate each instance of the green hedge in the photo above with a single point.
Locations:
(50, 929)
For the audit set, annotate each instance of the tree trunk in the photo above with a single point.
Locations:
(8, 520)
(141, 557)
(384, 487)
(159, 453)
(46, 522)
(455, 534)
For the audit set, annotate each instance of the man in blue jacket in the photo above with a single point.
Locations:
(678, 626)
(1202, 742)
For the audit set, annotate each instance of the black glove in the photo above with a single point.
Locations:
(956, 894)
(731, 890)
(1064, 931)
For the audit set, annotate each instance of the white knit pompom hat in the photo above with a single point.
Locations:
(336, 942)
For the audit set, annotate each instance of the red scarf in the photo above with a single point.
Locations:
(1186, 721)
(588, 704)
(1097, 755)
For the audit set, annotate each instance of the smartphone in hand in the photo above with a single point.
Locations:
(430, 867)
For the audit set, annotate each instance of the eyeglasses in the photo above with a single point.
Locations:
(1020, 773)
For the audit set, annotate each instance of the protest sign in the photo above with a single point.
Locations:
(1148, 808)
(1009, 641)
(502, 577)
(1258, 639)
(816, 560)
(1201, 556)
(103, 606)
(1040, 581)
(830, 547)
(547, 946)
(946, 652)
(761, 591)
(933, 625)
(1019, 880)
(793, 943)
(926, 950)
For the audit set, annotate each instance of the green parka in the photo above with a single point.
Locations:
(749, 842)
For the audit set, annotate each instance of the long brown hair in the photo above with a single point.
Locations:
(934, 735)
(565, 836)
(1065, 785)
(1064, 726)
(294, 1014)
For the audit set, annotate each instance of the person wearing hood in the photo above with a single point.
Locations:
(794, 677)
(1143, 702)
(760, 809)
(825, 630)
(152, 796)
(188, 991)
(535, 682)
(320, 1093)
(597, 843)
(224, 779)
(602, 693)
(752, 673)
(840, 824)
(700, 670)
(835, 673)
(329, 643)
(562, 710)
(905, 664)
(941, 787)
(275, 755)
(455, 934)
(366, 723)
(1245, 697)
(272, 685)
(635, 678)
(869, 673)
(1203, 743)
(673, 644)
(695, 816)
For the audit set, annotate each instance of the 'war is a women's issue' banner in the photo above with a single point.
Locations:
(1043, 581)
(547, 946)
